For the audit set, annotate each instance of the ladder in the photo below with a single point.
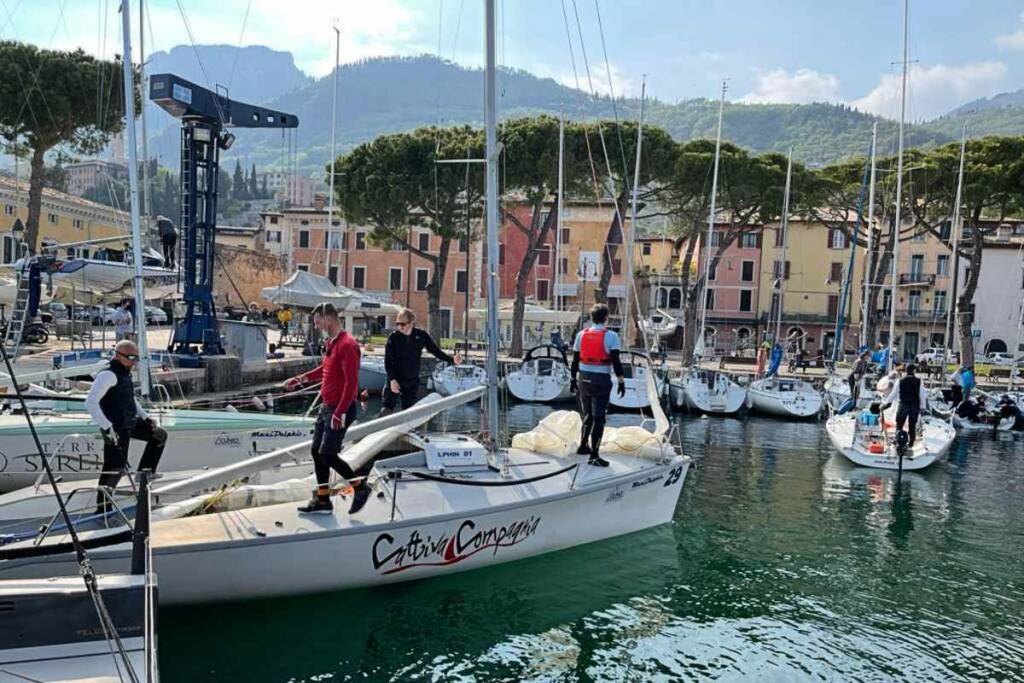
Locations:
(16, 324)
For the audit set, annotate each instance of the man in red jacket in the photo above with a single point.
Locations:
(339, 384)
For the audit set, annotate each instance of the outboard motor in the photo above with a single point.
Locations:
(902, 442)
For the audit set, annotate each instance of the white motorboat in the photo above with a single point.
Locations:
(372, 375)
(196, 439)
(449, 380)
(637, 368)
(784, 397)
(542, 377)
(875, 445)
(659, 324)
(709, 391)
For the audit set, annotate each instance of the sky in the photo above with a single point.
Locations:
(844, 51)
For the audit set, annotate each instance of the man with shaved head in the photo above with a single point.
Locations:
(112, 404)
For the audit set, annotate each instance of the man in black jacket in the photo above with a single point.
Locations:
(402, 355)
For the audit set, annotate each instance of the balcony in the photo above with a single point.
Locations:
(918, 315)
(921, 279)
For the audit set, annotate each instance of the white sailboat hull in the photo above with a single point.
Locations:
(372, 375)
(934, 438)
(710, 392)
(542, 379)
(272, 551)
(784, 398)
(1005, 425)
(451, 379)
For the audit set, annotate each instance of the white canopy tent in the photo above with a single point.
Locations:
(538, 321)
(305, 290)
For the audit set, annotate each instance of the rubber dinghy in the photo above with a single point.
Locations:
(876, 445)
(535, 497)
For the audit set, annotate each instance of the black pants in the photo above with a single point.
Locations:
(854, 383)
(327, 445)
(115, 458)
(595, 390)
(409, 394)
(168, 244)
(908, 412)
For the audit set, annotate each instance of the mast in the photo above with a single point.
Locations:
(334, 126)
(490, 117)
(133, 185)
(1020, 329)
(784, 226)
(899, 193)
(146, 180)
(711, 222)
(627, 323)
(955, 229)
(558, 214)
(871, 233)
(465, 305)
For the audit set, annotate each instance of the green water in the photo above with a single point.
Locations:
(783, 563)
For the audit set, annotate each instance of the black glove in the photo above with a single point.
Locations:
(573, 388)
(622, 388)
(110, 437)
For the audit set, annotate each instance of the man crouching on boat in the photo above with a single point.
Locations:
(339, 384)
(596, 354)
(112, 404)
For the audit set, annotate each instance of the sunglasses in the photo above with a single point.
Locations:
(129, 356)
(401, 324)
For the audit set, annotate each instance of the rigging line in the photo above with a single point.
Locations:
(10, 15)
(458, 27)
(579, 99)
(199, 60)
(611, 93)
(34, 85)
(238, 50)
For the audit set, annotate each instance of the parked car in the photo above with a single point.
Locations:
(103, 315)
(155, 316)
(55, 309)
(1004, 359)
(936, 354)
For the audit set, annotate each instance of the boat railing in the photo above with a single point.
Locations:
(164, 401)
(108, 504)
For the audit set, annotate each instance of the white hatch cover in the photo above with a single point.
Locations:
(451, 450)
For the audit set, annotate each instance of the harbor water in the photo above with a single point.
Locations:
(783, 563)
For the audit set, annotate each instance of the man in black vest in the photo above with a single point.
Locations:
(910, 393)
(112, 404)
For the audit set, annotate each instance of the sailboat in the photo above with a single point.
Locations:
(542, 377)
(773, 395)
(444, 503)
(660, 324)
(878, 445)
(697, 388)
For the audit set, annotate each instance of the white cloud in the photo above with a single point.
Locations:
(623, 85)
(800, 87)
(1012, 41)
(708, 56)
(933, 90)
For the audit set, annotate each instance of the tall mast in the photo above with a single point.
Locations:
(146, 180)
(784, 227)
(627, 323)
(711, 222)
(558, 212)
(490, 125)
(871, 233)
(899, 193)
(1014, 369)
(133, 186)
(955, 229)
(334, 126)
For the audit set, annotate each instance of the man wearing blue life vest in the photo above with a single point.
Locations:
(596, 355)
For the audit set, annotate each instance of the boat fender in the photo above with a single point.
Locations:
(846, 407)
(876, 447)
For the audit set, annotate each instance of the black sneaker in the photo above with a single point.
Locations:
(360, 495)
(317, 506)
(597, 461)
(584, 450)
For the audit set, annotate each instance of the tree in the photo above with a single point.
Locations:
(264, 192)
(238, 183)
(254, 192)
(393, 183)
(50, 98)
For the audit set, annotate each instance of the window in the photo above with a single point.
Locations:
(746, 300)
(616, 266)
(646, 249)
(304, 221)
(747, 271)
(778, 236)
(917, 266)
(716, 238)
(939, 306)
(662, 298)
(423, 241)
(565, 266)
(422, 279)
(359, 277)
(942, 265)
(8, 210)
(835, 272)
(748, 240)
(836, 239)
(395, 279)
(335, 240)
(919, 236)
(303, 267)
(274, 236)
(461, 283)
(543, 290)
(360, 241)
(709, 299)
(52, 218)
(886, 301)
(332, 275)
(303, 239)
(273, 220)
(774, 305)
(501, 254)
(713, 270)
(344, 240)
(914, 302)
(463, 245)
(564, 233)
(544, 256)
(675, 298)
(77, 223)
(833, 305)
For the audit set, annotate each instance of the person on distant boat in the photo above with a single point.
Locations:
(402, 354)
(909, 391)
(168, 239)
(596, 355)
(339, 384)
(124, 325)
(112, 404)
(859, 371)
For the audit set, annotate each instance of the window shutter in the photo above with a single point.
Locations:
(786, 275)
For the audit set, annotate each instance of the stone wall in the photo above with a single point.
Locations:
(250, 271)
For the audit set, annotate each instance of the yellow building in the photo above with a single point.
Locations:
(63, 219)
(812, 275)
